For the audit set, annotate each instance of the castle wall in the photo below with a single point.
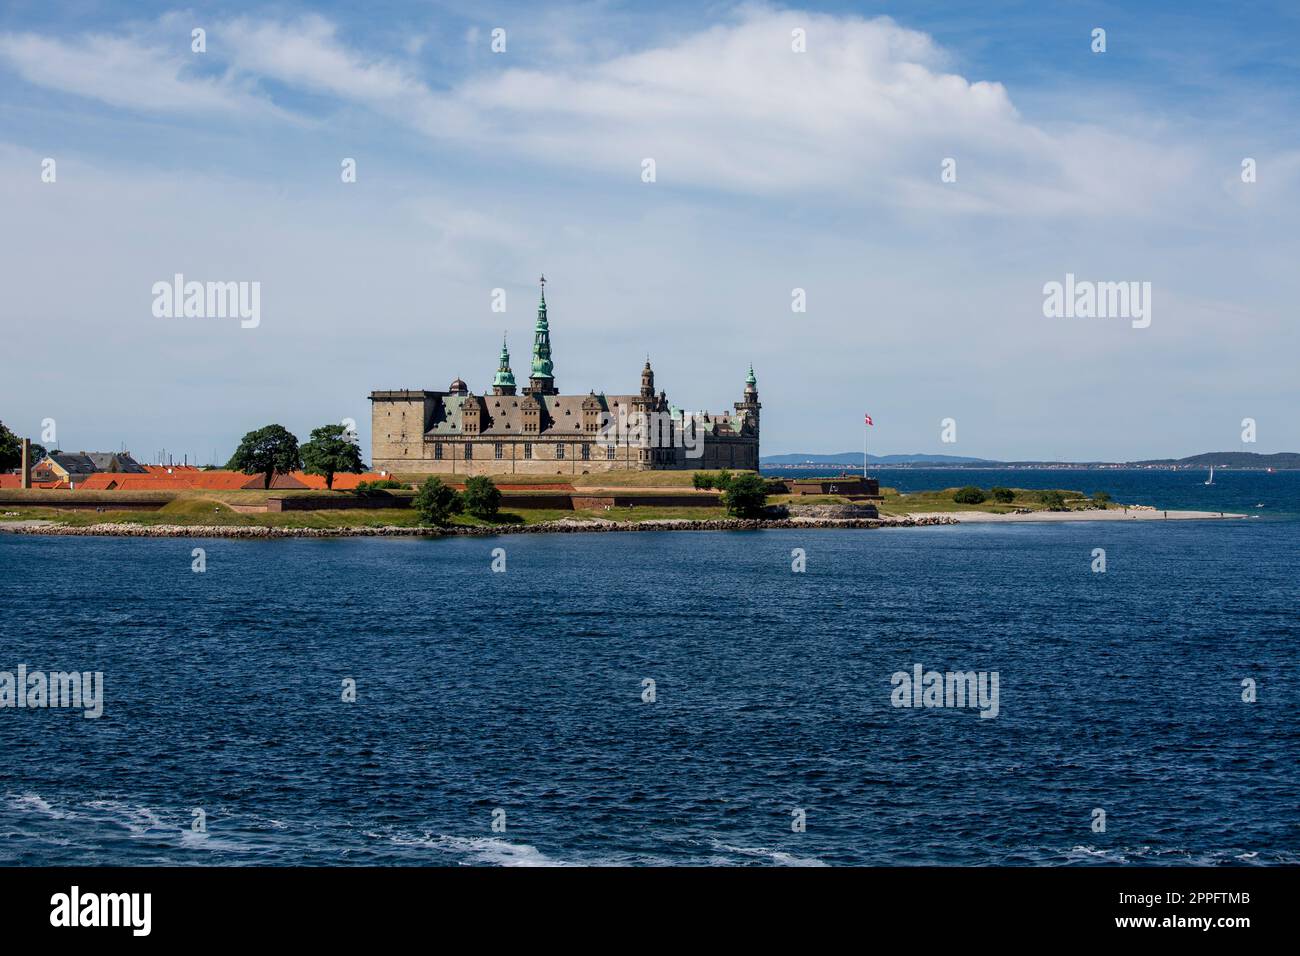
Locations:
(545, 457)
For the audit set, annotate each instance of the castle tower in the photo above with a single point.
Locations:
(504, 383)
(541, 379)
(648, 382)
(749, 406)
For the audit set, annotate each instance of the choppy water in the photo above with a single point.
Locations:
(522, 691)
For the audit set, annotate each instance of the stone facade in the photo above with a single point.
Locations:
(539, 431)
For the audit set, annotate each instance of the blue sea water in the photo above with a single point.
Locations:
(522, 692)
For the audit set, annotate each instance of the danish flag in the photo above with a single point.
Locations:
(869, 421)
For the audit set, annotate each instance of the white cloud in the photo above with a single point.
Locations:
(124, 71)
(865, 116)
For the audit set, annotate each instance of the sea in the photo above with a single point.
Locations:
(672, 698)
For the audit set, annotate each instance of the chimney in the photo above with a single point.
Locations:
(27, 462)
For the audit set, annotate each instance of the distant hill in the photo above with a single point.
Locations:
(855, 458)
(1231, 459)
(1280, 461)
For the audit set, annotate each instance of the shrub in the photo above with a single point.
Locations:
(970, 495)
(702, 480)
(744, 496)
(435, 502)
(481, 497)
(1003, 496)
(1100, 499)
(1052, 500)
(722, 479)
(379, 484)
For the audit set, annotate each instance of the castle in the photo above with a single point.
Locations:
(538, 431)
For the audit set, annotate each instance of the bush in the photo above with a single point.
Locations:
(481, 497)
(722, 479)
(1052, 500)
(1100, 499)
(379, 484)
(435, 502)
(744, 496)
(970, 495)
(702, 480)
(1003, 496)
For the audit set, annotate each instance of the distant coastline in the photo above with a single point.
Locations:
(1227, 460)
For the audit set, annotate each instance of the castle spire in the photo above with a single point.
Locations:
(541, 378)
(504, 383)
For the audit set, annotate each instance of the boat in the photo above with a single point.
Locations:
(1210, 480)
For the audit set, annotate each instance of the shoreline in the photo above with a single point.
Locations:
(47, 528)
(1110, 514)
(51, 529)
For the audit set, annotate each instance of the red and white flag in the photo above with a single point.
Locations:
(869, 421)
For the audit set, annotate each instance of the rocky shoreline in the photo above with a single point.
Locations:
(563, 526)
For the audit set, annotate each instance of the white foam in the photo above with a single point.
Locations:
(779, 857)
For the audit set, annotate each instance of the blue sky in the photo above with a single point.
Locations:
(775, 170)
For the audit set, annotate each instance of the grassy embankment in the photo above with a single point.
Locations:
(221, 508)
(224, 507)
(919, 502)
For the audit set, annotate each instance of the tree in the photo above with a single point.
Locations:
(481, 497)
(1003, 496)
(329, 453)
(722, 479)
(970, 495)
(1100, 499)
(435, 502)
(1052, 500)
(744, 496)
(267, 451)
(38, 453)
(702, 480)
(11, 449)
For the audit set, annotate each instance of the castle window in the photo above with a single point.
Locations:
(559, 451)
(609, 452)
(586, 452)
(528, 449)
(497, 450)
(469, 450)
(437, 451)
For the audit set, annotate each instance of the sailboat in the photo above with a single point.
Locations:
(1210, 480)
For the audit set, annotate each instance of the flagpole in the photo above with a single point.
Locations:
(864, 448)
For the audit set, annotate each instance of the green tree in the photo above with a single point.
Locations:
(1052, 500)
(11, 449)
(481, 497)
(1003, 496)
(267, 451)
(970, 495)
(435, 502)
(329, 453)
(744, 496)
(702, 480)
(722, 479)
(1100, 499)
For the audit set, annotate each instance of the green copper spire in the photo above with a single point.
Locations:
(504, 375)
(543, 370)
(750, 380)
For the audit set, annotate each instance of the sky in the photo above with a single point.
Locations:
(776, 169)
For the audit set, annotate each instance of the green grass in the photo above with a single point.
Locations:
(212, 512)
(896, 504)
